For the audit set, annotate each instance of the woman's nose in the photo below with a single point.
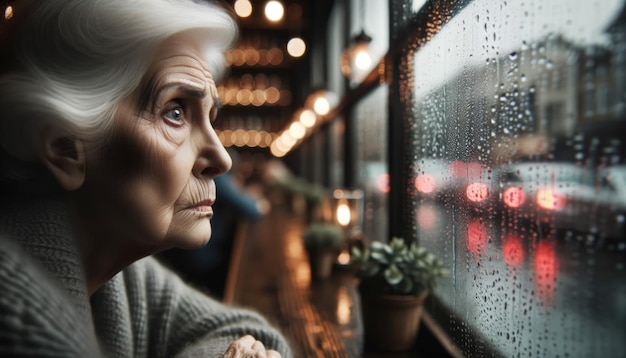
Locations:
(212, 159)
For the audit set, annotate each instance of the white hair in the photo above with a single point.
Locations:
(71, 61)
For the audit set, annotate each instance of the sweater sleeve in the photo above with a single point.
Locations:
(185, 322)
(37, 318)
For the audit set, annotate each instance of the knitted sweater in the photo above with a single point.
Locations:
(144, 311)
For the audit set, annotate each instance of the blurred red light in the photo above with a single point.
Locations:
(477, 192)
(458, 169)
(425, 183)
(382, 183)
(477, 237)
(550, 200)
(513, 250)
(546, 271)
(474, 170)
(426, 216)
(514, 197)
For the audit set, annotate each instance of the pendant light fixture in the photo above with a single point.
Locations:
(356, 60)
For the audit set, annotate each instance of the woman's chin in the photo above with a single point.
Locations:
(193, 239)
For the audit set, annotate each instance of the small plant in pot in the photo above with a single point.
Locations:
(395, 278)
(322, 242)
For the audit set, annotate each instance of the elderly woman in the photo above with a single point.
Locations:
(108, 155)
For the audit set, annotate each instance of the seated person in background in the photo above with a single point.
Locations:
(208, 266)
(108, 155)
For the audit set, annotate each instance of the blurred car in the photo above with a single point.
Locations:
(456, 182)
(599, 208)
(567, 196)
(433, 178)
(537, 190)
(480, 186)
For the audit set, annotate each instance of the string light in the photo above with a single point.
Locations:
(274, 11)
(296, 47)
(243, 8)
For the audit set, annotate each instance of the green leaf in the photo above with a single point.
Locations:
(393, 275)
(369, 268)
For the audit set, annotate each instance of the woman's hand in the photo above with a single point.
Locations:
(247, 346)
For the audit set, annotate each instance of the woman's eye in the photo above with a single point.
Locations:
(175, 115)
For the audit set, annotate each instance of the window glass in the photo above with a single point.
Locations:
(370, 116)
(519, 174)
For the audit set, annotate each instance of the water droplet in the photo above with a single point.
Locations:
(523, 78)
(513, 55)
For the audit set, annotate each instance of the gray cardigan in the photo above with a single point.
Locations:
(144, 311)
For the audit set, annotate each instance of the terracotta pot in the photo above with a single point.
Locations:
(321, 261)
(391, 322)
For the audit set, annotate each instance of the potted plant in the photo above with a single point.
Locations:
(395, 278)
(322, 242)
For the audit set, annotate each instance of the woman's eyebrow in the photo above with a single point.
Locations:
(193, 91)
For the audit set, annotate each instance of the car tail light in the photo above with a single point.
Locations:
(513, 250)
(477, 192)
(425, 183)
(550, 200)
(514, 197)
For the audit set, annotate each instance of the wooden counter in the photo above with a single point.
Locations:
(270, 273)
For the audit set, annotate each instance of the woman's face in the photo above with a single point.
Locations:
(153, 180)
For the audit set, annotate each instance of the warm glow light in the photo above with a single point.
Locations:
(362, 60)
(272, 95)
(287, 140)
(243, 8)
(308, 118)
(477, 192)
(550, 200)
(297, 130)
(274, 10)
(240, 137)
(344, 302)
(343, 213)
(321, 106)
(425, 183)
(514, 197)
(296, 47)
(274, 56)
(302, 277)
(8, 12)
(344, 257)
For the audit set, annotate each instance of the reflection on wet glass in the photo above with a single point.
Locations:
(519, 174)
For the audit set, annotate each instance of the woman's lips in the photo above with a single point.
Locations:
(204, 206)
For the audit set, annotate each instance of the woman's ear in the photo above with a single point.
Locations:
(64, 156)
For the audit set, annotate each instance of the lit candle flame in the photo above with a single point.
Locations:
(344, 257)
(343, 214)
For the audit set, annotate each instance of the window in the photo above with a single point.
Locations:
(371, 161)
(509, 179)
